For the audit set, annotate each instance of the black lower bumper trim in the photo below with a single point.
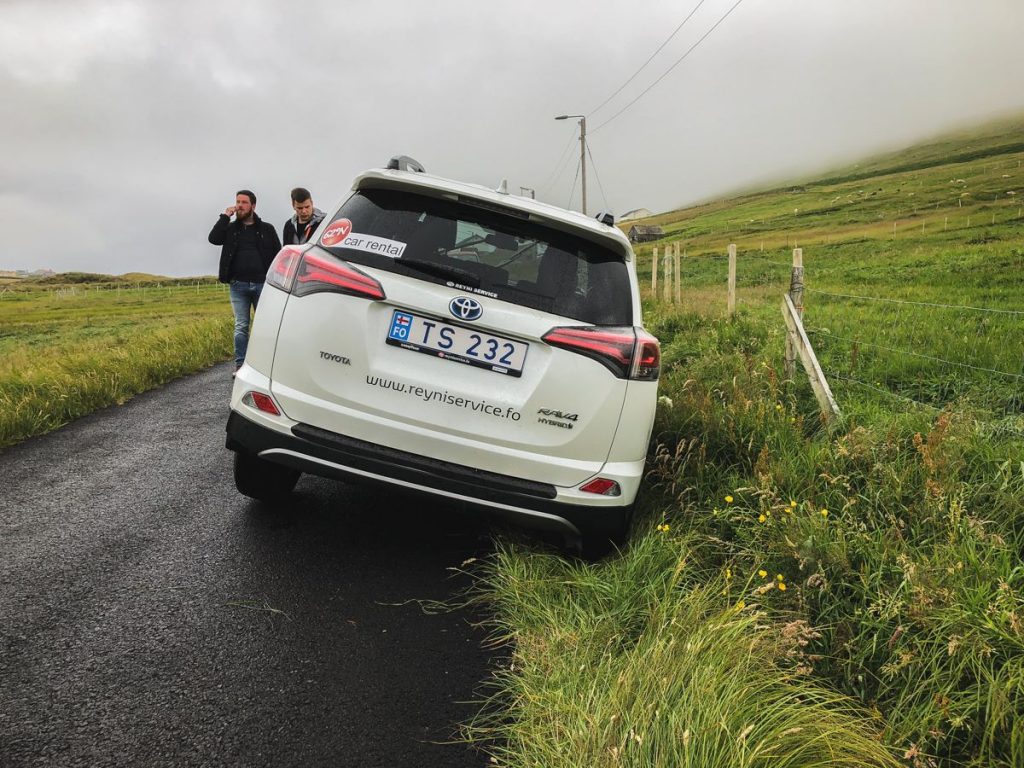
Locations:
(445, 471)
(310, 446)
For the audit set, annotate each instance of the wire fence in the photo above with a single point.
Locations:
(913, 351)
(927, 353)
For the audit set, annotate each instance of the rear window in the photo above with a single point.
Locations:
(489, 252)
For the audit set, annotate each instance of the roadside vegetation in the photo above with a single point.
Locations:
(794, 595)
(70, 348)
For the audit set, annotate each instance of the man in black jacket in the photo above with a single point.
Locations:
(247, 247)
(306, 219)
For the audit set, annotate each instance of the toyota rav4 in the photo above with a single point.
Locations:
(457, 341)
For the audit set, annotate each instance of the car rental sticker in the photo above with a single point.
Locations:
(337, 232)
(340, 234)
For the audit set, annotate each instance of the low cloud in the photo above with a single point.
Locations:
(129, 126)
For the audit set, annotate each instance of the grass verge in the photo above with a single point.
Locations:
(65, 357)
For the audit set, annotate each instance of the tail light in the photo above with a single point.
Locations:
(646, 358)
(629, 353)
(301, 272)
(261, 402)
(282, 269)
(602, 486)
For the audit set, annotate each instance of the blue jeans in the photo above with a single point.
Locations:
(244, 297)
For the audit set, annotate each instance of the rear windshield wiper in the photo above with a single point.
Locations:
(442, 270)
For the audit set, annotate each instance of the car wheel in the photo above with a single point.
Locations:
(263, 480)
(598, 544)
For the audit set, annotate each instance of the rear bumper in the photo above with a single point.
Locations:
(327, 454)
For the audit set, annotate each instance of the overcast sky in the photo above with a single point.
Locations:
(127, 126)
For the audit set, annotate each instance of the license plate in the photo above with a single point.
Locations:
(453, 342)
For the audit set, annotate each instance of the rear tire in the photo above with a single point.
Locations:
(598, 544)
(263, 480)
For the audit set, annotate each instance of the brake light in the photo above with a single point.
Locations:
(602, 486)
(282, 269)
(629, 353)
(647, 358)
(300, 272)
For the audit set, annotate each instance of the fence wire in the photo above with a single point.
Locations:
(916, 303)
(827, 333)
(834, 375)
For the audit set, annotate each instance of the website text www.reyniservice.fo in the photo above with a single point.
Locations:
(445, 397)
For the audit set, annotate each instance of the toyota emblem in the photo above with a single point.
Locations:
(465, 308)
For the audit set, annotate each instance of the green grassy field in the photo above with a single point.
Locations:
(793, 595)
(67, 349)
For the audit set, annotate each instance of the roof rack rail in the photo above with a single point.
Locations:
(404, 163)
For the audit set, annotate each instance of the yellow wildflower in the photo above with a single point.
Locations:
(763, 573)
(792, 504)
(824, 513)
(728, 499)
(780, 577)
(761, 518)
(782, 586)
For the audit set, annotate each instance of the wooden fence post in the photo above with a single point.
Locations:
(667, 262)
(796, 293)
(654, 274)
(796, 281)
(732, 279)
(678, 296)
(822, 391)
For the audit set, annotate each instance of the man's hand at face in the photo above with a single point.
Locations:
(229, 211)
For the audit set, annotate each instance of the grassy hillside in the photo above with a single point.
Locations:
(947, 233)
(870, 574)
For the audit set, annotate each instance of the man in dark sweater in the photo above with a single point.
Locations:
(306, 219)
(247, 247)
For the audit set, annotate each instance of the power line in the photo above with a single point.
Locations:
(560, 165)
(676, 64)
(650, 58)
(597, 175)
(572, 190)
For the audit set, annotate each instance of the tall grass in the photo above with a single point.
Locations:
(647, 661)
(902, 540)
(64, 357)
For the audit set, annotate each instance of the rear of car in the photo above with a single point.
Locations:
(449, 339)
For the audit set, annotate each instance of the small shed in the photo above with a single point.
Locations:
(640, 233)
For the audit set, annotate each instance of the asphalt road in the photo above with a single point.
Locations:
(151, 616)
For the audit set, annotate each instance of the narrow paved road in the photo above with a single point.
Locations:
(151, 616)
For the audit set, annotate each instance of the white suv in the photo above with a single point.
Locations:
(458, 341)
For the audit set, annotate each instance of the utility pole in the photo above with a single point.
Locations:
(583, 154)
